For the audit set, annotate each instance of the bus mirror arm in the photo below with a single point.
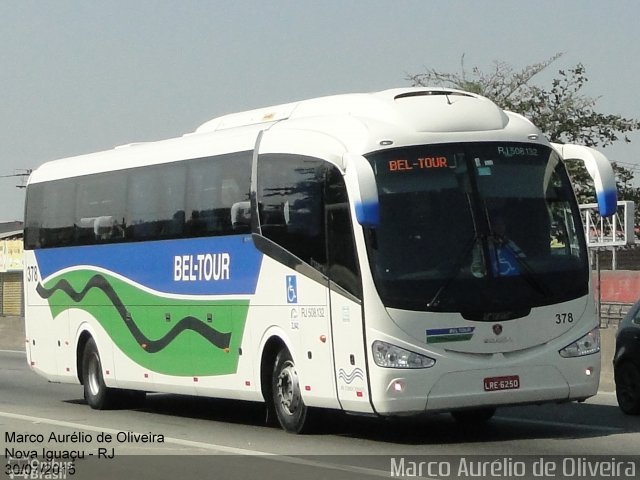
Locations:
(599, 169)
(367, 205)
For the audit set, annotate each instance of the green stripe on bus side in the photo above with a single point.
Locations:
(182, 332)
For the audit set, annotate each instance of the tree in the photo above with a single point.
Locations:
(562, 111)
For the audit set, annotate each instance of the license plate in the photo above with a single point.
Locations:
(511, 382)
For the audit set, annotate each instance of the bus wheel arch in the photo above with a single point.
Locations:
(273, 345)
(278, 375)
(286, 394)
(80, 346)
(90, 374)
(269, 353)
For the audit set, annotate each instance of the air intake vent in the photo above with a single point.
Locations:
(428, 93)
(445, 110)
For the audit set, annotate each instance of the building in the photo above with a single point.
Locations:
(11, 267)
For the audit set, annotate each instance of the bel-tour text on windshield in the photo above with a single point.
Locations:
(423, 163)
(419, 164)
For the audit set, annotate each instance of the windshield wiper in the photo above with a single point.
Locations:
(525, 270)
(455, 271)
(457, 266)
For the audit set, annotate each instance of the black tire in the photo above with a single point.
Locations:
(286, 396)
(96, 393)
(474, 416)
(627, 377)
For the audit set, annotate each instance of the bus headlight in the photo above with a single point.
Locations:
(587, 345)
(390, 356)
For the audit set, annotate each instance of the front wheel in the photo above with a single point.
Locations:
(286, 395)
(627, 377)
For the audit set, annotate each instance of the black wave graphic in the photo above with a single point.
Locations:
(219, 339)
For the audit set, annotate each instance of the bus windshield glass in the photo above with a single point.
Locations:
(476, 228)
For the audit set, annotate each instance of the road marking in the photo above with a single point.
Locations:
(14, 351)
(210, 446)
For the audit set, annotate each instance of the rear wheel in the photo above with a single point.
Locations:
(96, 393)
(627, 377)
(474, 416)
(286, 395)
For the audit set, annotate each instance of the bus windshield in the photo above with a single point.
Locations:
(477, 228)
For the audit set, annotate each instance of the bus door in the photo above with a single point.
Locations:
(345, 294)
(288, 193)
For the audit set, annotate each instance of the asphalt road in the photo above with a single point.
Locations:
(189, 437)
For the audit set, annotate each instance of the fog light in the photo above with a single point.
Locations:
(588, 371)
(398, 386)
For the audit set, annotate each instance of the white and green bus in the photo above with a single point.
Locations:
(394, 253)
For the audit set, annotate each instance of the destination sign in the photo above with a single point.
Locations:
(403, 164)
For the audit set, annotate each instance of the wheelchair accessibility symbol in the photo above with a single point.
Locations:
(292, 289)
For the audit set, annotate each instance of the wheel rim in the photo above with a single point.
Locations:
(288, 389)
(93, 374)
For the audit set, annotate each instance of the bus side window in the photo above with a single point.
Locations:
(34, 230)
(143, 199)
(214, 186)
(290, 205)
(241, 217)
(49, 213)
(100, 208)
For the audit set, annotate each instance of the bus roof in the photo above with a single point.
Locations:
(397, 106)
(361, 122)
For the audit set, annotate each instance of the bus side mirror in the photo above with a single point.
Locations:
(367, 206)
(600, 171)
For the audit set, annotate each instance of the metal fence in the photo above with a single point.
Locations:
(610, 259)
(621, 258)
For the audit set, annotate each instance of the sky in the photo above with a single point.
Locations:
(79, 77)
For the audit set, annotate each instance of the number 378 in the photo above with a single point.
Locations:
(564, 318)
(32, 274)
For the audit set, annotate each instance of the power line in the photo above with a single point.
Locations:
(23, 174)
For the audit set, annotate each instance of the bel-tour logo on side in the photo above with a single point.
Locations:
(202, 267)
